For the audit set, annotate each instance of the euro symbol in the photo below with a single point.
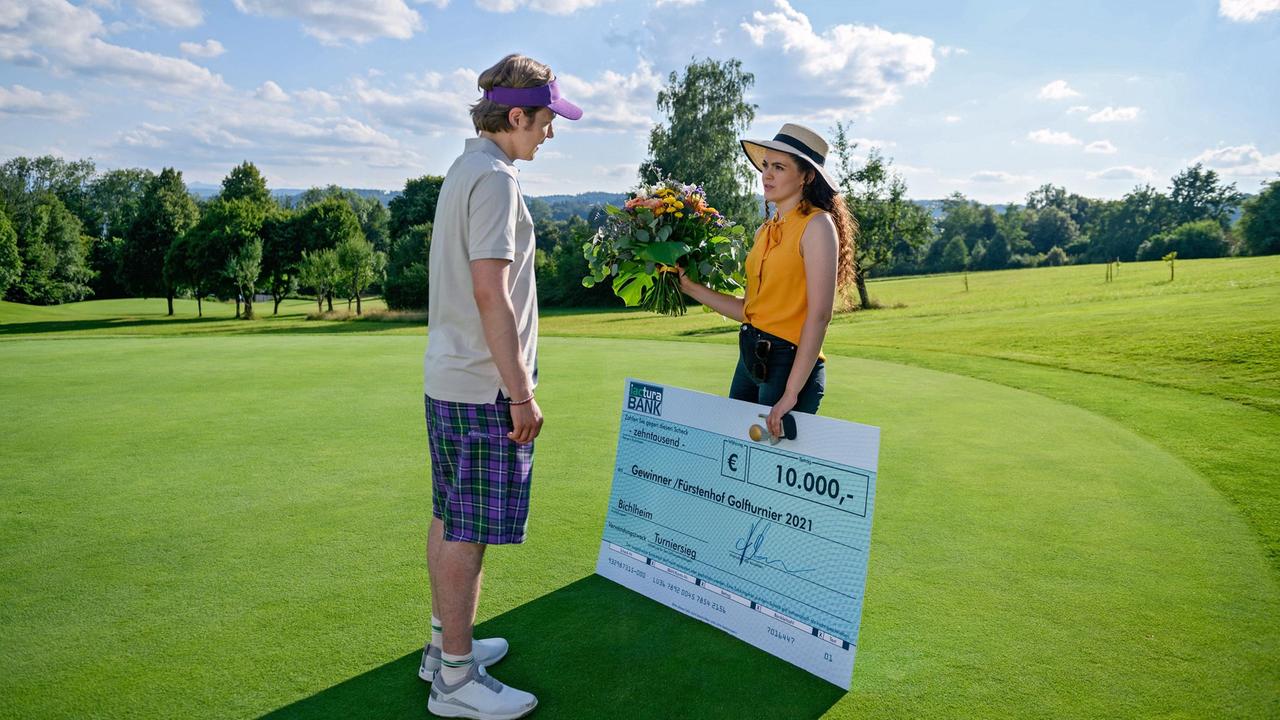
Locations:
(733, 462)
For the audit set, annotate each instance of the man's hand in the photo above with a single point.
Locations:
(527, 419)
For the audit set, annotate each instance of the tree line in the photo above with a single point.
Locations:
(68, 232)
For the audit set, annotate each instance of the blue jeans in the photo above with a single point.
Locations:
(777, 366)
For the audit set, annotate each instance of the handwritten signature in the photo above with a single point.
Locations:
(749, 548)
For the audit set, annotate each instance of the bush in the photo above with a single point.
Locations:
(1025, 261)
(1200, 239)
(1056, 257)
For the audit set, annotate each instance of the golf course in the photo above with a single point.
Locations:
(1077, 510)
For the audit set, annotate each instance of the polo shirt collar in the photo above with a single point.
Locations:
(485, 145)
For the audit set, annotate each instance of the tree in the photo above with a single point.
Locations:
(319, 271)
(52, 251)
(1260, 224)
(370, 213)
(877, 199)
(1123, 226)
(180, 269)
(224, 229)
(325, 224)
(24, 181)
(242, 270)
(10, 260)
(165, 212)
(281, 252)
(955, 256)
(245, 182)
(407, 270)
(113, 201)
(359, 266)
(415, 206)
(705, 113)
(1197, 195)
(1051, 227)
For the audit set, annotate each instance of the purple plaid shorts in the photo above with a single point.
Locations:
(480, 477)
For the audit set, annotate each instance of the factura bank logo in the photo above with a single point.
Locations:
(645, 398)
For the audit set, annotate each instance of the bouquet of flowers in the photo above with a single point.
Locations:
(664, 227)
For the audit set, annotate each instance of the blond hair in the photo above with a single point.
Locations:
(512, 71)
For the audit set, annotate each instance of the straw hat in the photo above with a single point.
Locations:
(797, 140)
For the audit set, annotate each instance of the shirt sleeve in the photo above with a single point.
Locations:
(492, 215)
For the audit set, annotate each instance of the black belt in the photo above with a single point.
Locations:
(757, 334)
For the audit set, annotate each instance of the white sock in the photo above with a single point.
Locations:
(437, 632)
(453, 668)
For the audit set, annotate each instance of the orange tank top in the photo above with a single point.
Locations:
(777, 293)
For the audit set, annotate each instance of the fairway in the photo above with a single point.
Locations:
(232, 525)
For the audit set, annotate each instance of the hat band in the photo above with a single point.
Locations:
(805, 150)
(539, 96)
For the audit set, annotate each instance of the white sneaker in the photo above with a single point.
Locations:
(481, 697)
(487, 652)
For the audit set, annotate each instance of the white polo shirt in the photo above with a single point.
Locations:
(480, 214)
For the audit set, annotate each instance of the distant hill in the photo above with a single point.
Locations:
(561, 207)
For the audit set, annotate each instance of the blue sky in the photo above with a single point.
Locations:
(987, 98)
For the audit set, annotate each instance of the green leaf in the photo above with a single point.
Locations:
(666, 253)
(642, 235)
(664, 232)
(631, 288)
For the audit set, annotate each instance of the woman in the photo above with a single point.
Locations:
(799, 257)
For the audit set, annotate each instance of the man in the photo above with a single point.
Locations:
(480, 371)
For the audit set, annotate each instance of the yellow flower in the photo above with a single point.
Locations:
(659, 210)
(679, 205)
(679, 214)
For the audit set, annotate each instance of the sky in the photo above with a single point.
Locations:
(991, 99)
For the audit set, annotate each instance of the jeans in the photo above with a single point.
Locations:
(781, 356)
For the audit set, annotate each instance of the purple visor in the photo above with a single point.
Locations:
(547, 96)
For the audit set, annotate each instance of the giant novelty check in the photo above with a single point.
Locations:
(766, 542)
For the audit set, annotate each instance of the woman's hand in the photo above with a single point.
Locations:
(780, 408)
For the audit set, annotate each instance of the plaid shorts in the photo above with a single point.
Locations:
(480, 477)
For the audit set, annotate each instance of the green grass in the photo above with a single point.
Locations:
(225, 519)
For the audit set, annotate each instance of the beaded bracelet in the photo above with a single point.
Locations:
(525, 401)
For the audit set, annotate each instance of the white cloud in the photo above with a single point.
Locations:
(317, 99)
(553, 7)
(613, 101)
(1078, 109)
(334, 23)
(1057, 90)
(1100, 147)
(1115, 114)
(948, 51)
(996, 176)
(1240, 161)
(25, 102)
(174, 13)
(65, 36)
(207, 49)
(1052, 137)
(431, 103)
(676, 3)
(1247, 10)
(271, 92)
(866, 65)
(1124, 172)
(952, 119)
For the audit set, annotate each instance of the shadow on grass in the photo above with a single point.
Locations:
(198, 326)
(594, 649)
(713, 330)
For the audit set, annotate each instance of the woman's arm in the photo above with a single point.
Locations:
(727, 305)
(819, 247)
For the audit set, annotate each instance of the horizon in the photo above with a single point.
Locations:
(988, 100)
